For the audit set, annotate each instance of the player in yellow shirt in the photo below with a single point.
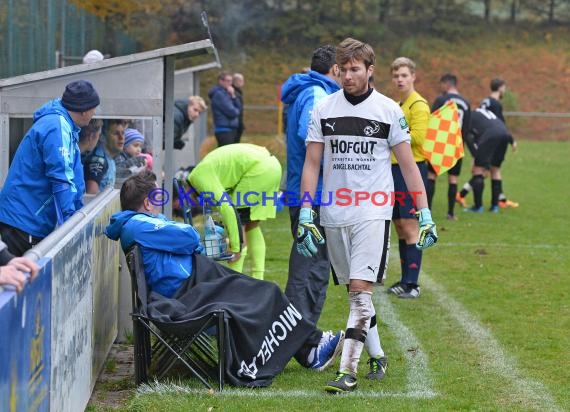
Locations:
(416, 111)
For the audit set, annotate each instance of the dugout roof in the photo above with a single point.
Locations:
(135, 86)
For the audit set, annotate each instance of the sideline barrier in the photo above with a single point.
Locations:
(56, 334)
(25, 345)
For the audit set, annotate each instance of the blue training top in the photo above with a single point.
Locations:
(302, 92)
(45, 185)
(167, 247)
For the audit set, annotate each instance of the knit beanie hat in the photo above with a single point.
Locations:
(80, 96)
(133, 135)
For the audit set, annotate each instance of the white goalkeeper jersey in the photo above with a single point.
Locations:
(357, 173)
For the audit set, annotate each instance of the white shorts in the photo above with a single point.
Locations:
(359, 251)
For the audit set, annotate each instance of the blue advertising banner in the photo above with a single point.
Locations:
(25, 345)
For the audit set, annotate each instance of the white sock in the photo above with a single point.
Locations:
(372, 344)
(313, 352)
(311, 356)
(356, 330)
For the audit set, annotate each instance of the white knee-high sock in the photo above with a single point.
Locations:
(356, 330)
(372, 344)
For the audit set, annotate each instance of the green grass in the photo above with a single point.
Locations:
(491, 326)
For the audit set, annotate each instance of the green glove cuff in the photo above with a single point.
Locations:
(424, 217)
(306, 215)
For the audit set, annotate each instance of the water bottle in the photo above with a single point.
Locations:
(211, 238)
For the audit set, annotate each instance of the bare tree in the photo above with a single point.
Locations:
(487, 14)
(384, 10)
(546, 9)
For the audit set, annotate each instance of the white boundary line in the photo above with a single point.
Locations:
(498, 245)
(162, 388)
(530, 392)
(418, 381)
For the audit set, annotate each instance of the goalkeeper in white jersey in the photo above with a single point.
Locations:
(355, 130)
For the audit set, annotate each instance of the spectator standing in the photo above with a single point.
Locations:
(238, 81)
(226, 109)
(99, 166)
(45, 185)
(185, 113)
(449, 91)
(352, 132)
(308, 278)
(416, 111)
(89, 137)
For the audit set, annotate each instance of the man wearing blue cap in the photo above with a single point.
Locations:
(45, 182)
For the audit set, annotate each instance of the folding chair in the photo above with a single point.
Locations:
(197, 349)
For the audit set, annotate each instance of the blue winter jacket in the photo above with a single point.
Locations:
(225, 110)
(45, 183)
(166, 246)
(301, 92)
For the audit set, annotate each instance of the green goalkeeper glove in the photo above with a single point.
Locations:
(308, 235)
(428, 233)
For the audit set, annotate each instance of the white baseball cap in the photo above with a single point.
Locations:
(93, 56)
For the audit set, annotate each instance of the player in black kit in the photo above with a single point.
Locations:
(498, 198)
(489, 133)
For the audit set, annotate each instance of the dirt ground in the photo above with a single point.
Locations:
(116, 383)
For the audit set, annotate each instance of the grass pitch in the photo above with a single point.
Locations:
(489, 332)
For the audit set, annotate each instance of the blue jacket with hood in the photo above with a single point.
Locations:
(45, 185)
(225, 110)
(302, 92)
(167, 247)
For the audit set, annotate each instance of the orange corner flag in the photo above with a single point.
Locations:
(443, 146)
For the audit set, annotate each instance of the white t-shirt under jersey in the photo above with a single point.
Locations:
(357, 173)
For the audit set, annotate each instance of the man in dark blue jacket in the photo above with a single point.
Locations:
(226, 108)
(308, 277)
(45, 185)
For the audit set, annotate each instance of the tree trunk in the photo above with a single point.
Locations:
(513, 17)
(384, 11)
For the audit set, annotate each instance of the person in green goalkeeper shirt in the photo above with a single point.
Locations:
(245, 177)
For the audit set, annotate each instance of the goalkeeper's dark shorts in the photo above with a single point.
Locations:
(405, 208)
(244, 215)
(488, 149)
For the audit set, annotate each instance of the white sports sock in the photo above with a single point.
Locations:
(356, 330)
(372, 344)
(311, 356)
